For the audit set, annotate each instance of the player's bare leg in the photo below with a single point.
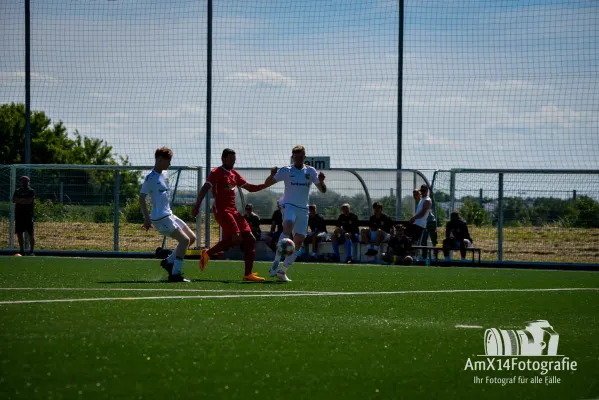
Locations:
(287, 229)
(184, 241)
(249, 255)
(298, 240)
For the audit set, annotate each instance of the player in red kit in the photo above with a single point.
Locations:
(223, 181)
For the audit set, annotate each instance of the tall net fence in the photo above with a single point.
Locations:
(130, 73)
(552, 217)
(496, 84)
(485, 84)
(75, 206)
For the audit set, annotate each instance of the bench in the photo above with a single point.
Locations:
(436, 250)
(326, 248)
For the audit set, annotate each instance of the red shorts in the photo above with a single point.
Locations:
(232, 222)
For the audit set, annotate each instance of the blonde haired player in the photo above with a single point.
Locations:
(162, 218)
(298, 178)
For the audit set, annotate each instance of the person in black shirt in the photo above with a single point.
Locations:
(346, 233)
(23, 199)
(318, 231)
(276, 228)
(379, 230)
(253, 221)
(400, 248)
(456, 236)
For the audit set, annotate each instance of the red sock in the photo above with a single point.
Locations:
(220, 246)
(249, 254)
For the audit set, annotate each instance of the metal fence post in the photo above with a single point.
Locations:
(199, 185)
(117, 185)
(500, 219)
(11, 224)
(452, 192)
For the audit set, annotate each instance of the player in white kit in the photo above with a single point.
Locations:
(294, 204)
(163, 219)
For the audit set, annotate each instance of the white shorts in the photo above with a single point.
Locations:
(298, 216)
(385, 239)
(167, 225)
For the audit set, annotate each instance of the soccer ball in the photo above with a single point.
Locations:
(286, 247)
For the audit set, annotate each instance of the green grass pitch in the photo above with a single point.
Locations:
(109, 328)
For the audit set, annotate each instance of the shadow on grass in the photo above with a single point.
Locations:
(236, 282)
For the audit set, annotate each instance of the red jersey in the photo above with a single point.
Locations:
(224, 183)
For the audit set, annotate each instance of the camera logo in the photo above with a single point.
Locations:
(538, 338)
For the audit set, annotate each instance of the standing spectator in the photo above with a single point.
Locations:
(318, 231)
(346, 233)
(420, 218)
(456, 236)
(379, 230)
(423, 209)
(23, 199)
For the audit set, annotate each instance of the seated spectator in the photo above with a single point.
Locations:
(379, 230)
(253, 221)
(318, 232)
(456, 236)
(276, 228)
(400, 248)
(346, 233)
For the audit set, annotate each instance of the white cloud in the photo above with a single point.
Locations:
(19, 76)
(264, 76)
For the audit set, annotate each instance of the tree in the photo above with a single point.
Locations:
(51, 144)
(473, 213)
(585, 212)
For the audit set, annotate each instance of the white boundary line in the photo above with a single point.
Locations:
(290, 294)
(108, 289)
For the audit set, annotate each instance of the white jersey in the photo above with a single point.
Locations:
(297, 184)
(156, 187)
(422, 221)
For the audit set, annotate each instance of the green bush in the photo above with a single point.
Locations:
(47, 210)
(131, 212)
(4, 210)
(103, 213)
(184, 212)
(474, 213)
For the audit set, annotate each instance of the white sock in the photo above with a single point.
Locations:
(289, 260)
(171, 258)
(178, 267)
(278, 255)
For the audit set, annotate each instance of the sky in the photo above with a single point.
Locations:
(486, 84)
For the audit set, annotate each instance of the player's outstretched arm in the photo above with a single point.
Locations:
(321, 185)
(144, 210)
(267, 183)
(203, 191)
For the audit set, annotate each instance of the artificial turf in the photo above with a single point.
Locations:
(336, 331)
